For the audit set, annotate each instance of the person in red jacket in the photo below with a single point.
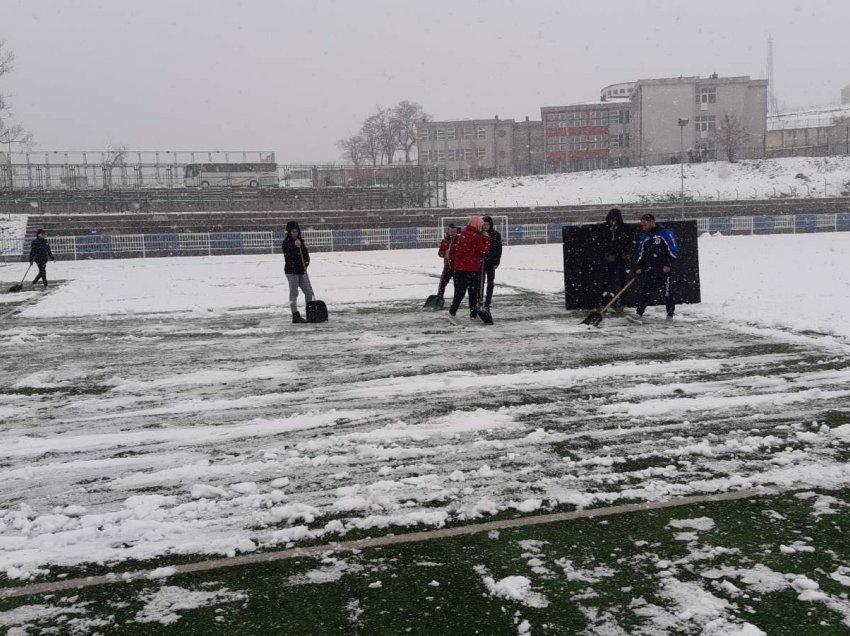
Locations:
(472, 246)
(447, 253)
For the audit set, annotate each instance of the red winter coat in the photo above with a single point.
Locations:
(472, 247)
(447, 249)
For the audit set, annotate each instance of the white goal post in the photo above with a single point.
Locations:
(501, 223)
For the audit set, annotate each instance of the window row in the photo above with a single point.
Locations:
(706, 95)
(579, 119)
(580, 142)
(451, 133)
(705, 123)
(452, 154)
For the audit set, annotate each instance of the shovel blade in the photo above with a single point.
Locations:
(485, 315)
(434, 302)
(16, 288)
(594, 319)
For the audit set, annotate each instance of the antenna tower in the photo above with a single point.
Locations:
(771, 93)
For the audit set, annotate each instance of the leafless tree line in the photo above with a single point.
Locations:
(387, 135)
(9, 133)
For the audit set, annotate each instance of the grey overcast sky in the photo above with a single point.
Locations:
(294, 77)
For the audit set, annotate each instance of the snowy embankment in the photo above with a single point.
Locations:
(12, 228)
(798, 282)
(756, 179)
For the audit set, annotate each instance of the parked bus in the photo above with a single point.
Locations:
(230, 175)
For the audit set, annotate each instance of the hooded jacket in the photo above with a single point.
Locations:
(292, 259)
(40, 251)
(472, 246)
(494, 254)
(619, 239)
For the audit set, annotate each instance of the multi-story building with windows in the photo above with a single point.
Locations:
(660, 104)
(586, 136)
(479, 148)
(617, 92)
(634, 123)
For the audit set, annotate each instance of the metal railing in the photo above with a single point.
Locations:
(208, 243)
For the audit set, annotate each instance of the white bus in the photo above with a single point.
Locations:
(230, 175)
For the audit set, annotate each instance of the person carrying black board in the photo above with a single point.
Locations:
(656, 255)
(619, 245)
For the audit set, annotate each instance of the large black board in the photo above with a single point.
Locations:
(584, 264)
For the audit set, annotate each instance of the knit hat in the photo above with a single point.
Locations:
(476, 221)
(292, 225)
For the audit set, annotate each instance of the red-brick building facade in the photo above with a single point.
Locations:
(586, 136)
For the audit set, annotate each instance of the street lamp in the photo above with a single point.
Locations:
(683, 121)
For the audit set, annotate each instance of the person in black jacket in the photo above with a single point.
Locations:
(297, 259)
(492, 260)
(618, 249)
(40, 253)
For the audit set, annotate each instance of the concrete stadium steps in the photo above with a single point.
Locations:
(141, 222)
(211, 199)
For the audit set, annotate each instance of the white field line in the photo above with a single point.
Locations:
(360, 544)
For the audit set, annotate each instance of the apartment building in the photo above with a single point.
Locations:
(587, 136)
(480, 148)
(633, 123)
(660, 104)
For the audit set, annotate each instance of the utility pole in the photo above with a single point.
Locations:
(683, 121)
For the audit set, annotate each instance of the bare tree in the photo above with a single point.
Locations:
(406, 116)
(731, 136)
(371, 135)
(353, 149)
(7, 59)
(9, 133)
(115, 155)
(386, 127)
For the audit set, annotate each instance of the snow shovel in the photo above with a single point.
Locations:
(484, 314)
(317, 311)
(435, 301)
(19, 286)
(595, 317)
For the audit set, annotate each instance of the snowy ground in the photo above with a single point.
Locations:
(757, 179)
(166, 406)
(163, 407)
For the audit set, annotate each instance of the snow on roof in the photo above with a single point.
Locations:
(810, 118)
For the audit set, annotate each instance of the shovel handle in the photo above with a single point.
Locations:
(25, 274)
(619, 293)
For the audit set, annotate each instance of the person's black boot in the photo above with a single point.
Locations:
(296, 317)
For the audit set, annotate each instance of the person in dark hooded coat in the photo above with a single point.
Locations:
(618, 249)
(39, 254)
(491, 260)
(296, 258)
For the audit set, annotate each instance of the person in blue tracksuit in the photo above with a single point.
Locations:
(654, 262)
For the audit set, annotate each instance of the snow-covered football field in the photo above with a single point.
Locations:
(162, 407)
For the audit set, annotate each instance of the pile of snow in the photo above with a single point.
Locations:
(13, 227)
